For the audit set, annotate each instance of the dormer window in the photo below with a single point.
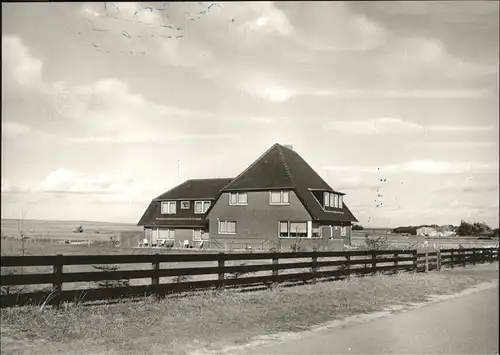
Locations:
(332, 200)
(201, 207)
(168, 207)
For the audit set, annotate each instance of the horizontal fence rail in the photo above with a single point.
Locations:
(344, 264)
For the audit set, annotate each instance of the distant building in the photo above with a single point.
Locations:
(443, 231)
(427, 231)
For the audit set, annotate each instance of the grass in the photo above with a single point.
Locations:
(211, 320)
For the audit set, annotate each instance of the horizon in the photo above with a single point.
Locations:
(135, 224)
(394, 103)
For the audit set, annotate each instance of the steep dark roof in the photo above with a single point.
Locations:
(281, 167)
(196, 189)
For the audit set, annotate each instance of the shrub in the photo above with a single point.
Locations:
(357, 227)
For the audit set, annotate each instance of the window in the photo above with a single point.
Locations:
(166, 234)
(227, 227)
(238, 198)
(292, 229)
(343, 231)
(279, 198)
(336, 200)
(184, 205)
(201, 206)
(197, 233)
(284, 229)
(340, 201)
(327, 199)
(168, 207)
(298, 229)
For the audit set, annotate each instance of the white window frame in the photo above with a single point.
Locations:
(341, 201)
(203, 207)
(326, 197)
(184, 203)
(336, 201)
(224, 230)
(170, 234)
(238, 194)
(343, 231)
(289, 227)
(169, 208)
(195, 238)
(282, 194)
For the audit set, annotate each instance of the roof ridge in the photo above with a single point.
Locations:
(250, 166)
(287, 168)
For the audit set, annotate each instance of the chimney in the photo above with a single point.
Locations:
(289, 146)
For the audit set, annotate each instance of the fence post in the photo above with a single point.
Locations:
(348, 266)
(314, 268)
(415, 260)
(57, 282)
(396, 260)
(426, 262)
(438, 261)
(464, 258)
(491, 255)
(452, 259)
(155, 278)
(474, 256)
(275, 270)
(374, 262)
(221, 269)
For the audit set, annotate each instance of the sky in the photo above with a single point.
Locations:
(107, 105)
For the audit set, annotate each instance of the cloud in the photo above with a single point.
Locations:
(458, 144)
(395, 125)
(420, 166)
(413, 57)
(10, 128)
(417, 94)
(333, 26)
(270, 20)
(19, 65)
(65, 181)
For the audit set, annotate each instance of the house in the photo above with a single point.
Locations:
(427, 231)
(278, 200)
(279, 197)
(177, 215)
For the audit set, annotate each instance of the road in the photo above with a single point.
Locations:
(464, 325)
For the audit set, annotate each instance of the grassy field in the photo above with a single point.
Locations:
(63, 230)
(212, 320)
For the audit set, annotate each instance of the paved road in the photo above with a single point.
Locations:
(463, 325)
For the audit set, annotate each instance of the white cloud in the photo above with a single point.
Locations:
(67, 181)
(19, 65)
(395, 125)
(10, 128)
(457, 144)
(270, 20)
(413, 57)
(420, 166)
(418, 94)
(333, 26)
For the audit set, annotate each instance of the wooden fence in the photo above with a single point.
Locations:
(319, 266)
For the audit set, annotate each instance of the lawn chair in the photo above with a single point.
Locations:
(186, 243)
